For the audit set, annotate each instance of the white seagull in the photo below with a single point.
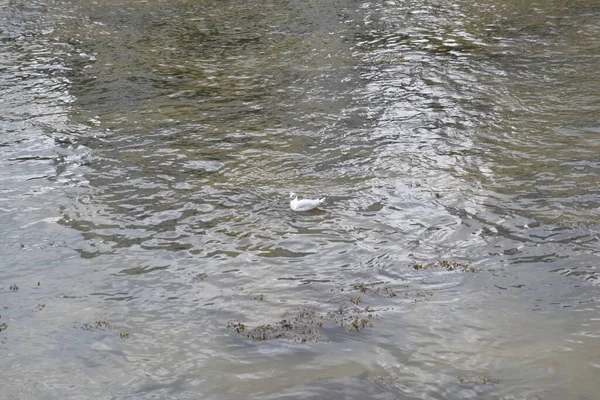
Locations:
(304, 204)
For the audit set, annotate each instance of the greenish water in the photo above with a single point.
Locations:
(148, 150)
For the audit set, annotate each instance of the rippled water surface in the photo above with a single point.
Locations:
(148, 150)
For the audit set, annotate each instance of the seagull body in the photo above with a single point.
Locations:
(304, 204)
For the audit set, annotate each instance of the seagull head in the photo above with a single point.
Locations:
(293, 196)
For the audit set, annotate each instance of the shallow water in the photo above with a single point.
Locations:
(148, 149)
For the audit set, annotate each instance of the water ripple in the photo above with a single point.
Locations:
(149, 150)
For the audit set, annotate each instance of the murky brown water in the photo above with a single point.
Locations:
(147, 153)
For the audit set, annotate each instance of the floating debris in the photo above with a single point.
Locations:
(362, 287)
(387, 381)
(374, 288)
(124, 335)
(303, 327)
(420, 295)
(39, 307)
(238, 326)
(199, 277)
(307, 325)
(447, 265)
(100, 324)
(351, 318)
(3, 326)
(477, 380)
(14, 287)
